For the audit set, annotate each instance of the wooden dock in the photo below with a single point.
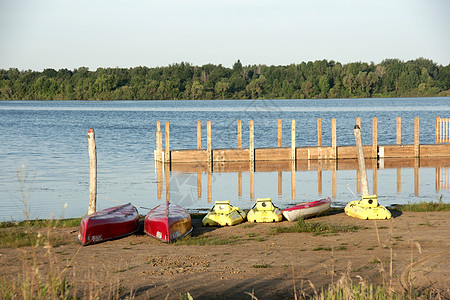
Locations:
(441, 148)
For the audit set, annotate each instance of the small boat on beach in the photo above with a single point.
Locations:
(307, 209)
(367, 209)
(167, 222)
(110, 223)
(223, 214)
(264, 211)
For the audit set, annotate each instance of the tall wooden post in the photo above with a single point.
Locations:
(239, 133)
(293, 140)
(333, 183)
(438, 130)
(358, 121)
(239, 184)
(280, 183)
(399, 180)
(159, 178)
(293, 186)
(199, 134)
(374, 138)
(399, 130)
(208, 141)
(319, 132)
(158, 142)
(167, 148)
(167, 174)
(209, 185)
(319, 181)
(361, 162)
(280, 133)
(374, 176)
(199, 184)
(416, 137)
(416, 176)
(251, 147)
(333, 138)
(93, 172)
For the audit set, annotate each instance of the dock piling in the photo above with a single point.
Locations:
(93, 172)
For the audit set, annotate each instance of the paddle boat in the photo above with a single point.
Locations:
(367, 209)
(223, 214)
(168, 222)
(307, 209)
(264, 211)
(110, 223)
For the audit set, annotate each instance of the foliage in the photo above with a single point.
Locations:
(425, 206)
(318, 79)
(315, 227)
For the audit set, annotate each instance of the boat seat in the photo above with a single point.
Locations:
(369, 201)
(264, 204)
(222, 207)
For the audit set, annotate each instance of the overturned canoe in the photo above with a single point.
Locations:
(167, 222)
(307, 209)
(110, 223)
(367, 209)
(264, 211)
(223, 214)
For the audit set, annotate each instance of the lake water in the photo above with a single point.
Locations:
(44, 163)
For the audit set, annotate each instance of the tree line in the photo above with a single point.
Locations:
(307, 80)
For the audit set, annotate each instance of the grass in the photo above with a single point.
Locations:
(204, 240)
(424, 206)
(262, 266)
(44, 223)
(315, 227)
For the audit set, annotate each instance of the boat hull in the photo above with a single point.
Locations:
(306, 210)
(108, 224)
(223, 214)
(167, 222)
(264, 212)
(356, 210)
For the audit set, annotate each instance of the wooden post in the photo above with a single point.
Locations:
(358, 181)
(93, 172)
(293, 140)
(438, 130)
(167, 171)
(239, 132)
(361, 163)
(280, 183)
(399, 130)
(374, 176)
(374, 138)
(251, 147)
(208, 140)
(358, 121)
(209, 185)
(239, 184)
(333, 137)
(158, 142)
(416, 177)
(399, 180)
(280, 133)
(319, 132)
(199, 184)
(167, 148)
(416, 137)
(159, 178)
(252, 181)
(333, 182)
(319, 181)
(199, 134)
(437, 178)
(293, 188)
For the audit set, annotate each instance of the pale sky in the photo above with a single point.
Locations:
(39, 34)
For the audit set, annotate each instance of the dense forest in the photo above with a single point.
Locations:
(318, 79)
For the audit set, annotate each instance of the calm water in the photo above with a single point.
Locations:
(44, 163)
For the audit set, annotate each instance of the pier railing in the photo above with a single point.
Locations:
(442, 130)
(294, 153)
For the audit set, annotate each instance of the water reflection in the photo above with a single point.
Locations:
(242, 183)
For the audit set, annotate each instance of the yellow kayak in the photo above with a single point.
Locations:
(223, 214)
(264, 211)
(367, 209)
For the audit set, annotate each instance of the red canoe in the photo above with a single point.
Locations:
(167, 222)
(108, 224)
(308, 209)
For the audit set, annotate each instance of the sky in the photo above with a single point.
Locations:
(39, 34)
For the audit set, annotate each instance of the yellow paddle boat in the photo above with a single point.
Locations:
(264, 211)
(367, 209)
(223, 214)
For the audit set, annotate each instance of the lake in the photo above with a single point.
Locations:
(44, 158)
